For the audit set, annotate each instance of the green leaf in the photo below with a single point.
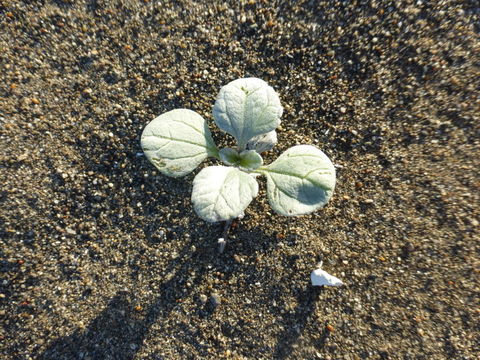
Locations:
(229, 156)
(247, 160)
(300, 181)
(250, 160)
(222, 193)
(177, 142)
(247, 107)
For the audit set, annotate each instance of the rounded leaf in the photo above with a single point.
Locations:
(263, 142)
(177, 142)
(250, 160)
(247, 107)
(247, 160)
(300, 181)
(229, 156)
(222, 193)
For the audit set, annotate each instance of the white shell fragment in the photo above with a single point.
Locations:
(320, 277)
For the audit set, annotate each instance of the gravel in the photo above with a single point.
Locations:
(103, 258)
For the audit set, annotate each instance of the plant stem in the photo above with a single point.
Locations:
(223, 240)
(226, 228)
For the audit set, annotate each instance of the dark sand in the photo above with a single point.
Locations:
(104, 258)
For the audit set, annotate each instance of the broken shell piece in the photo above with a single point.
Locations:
(320, 277)
(263, 142)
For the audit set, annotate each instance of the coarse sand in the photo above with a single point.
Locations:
(102, 257)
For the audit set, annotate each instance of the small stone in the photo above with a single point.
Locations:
(409, 247)
(368, 201)
(203, 299)
(70, 231)
(215, 300)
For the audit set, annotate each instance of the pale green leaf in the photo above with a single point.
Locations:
(300, 181)
(177, 142)
(247, 160)
(229, 156)
(263, 142)
(247, 107)
(222, 193)
(250, 160)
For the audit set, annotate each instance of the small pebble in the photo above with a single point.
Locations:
(70, 231)
(215, 300)
(203, 299)
(409, 247)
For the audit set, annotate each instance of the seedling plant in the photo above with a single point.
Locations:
(300, 181)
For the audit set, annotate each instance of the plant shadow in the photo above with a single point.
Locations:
(116, 333)
(119, 331)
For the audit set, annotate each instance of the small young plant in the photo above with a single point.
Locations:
(299, 182)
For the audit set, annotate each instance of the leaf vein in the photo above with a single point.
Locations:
(181, 157)
(326, 188)
(190, 126)
(179, 140)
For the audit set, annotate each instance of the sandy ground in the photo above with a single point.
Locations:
(104, 258)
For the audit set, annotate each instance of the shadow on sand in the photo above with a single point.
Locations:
(118, 332)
